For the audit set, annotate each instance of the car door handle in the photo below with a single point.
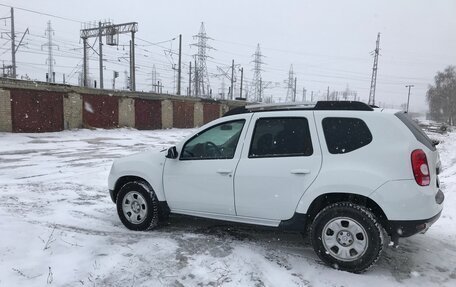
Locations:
(224, 171)
(300, 171)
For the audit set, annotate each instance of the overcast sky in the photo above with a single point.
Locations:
(327, 42)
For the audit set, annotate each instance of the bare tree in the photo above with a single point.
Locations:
(441, 96)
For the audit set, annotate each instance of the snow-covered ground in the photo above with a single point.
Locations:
(58, 226)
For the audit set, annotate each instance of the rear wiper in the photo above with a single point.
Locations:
(435, 142)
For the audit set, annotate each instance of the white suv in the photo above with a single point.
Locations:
(350, 174)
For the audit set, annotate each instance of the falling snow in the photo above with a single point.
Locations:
(59, 227)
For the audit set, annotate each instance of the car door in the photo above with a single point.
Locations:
(280, 160)
(201, 178)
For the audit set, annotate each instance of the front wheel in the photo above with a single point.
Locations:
(137, 206)
(347, 236)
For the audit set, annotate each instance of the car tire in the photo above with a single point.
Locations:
(137, 206)
(347, 237)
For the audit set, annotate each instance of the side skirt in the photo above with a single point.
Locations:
(297, 223)
(227, 217)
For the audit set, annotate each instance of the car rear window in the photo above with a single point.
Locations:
(345, 134)
(419, 134)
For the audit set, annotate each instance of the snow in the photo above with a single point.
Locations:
(59, 227)
(88, 107)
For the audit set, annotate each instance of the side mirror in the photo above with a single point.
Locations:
(172, 153)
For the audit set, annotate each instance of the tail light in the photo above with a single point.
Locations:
(420, 167)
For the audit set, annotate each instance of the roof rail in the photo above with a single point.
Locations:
(274, 106)
(320, 105)
(342, 105)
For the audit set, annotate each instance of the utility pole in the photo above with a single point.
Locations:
(14, 47)
(261, 90)
(110, 31)
(311, 96)
(173, 67)
(222, 89)
(242, 81)
(100, 53)
(304, 96)
(408, 98)
(131, 67)
(160, 87)
(196, 82)
(294, 91)
(13, 44)
(127, 80)
(86, 62)
(376, 53)
(154, 78)
(246, 91)
(232, 80)
(132, 62)
(190, 79)
(327, 94)
(50, 45)
(115, 75)
(179, 67)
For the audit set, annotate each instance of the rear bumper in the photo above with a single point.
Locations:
(406, 228)
(405, 200)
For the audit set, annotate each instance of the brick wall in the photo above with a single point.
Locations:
(167, 115)
(72, 111)
(5, 111)
(27, 106)
(127, 112)
(198, 114)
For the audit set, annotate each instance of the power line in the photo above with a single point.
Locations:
(42, 13)
(14, 47)
(147, 57)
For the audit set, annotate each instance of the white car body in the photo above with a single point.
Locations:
(277, 190)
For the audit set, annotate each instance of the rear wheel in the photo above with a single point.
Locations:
(347, 236)
(137, 206)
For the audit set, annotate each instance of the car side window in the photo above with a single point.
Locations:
(281, 137)
(217, 142)
(345, 134)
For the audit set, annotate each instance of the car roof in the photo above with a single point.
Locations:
(318, 106)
